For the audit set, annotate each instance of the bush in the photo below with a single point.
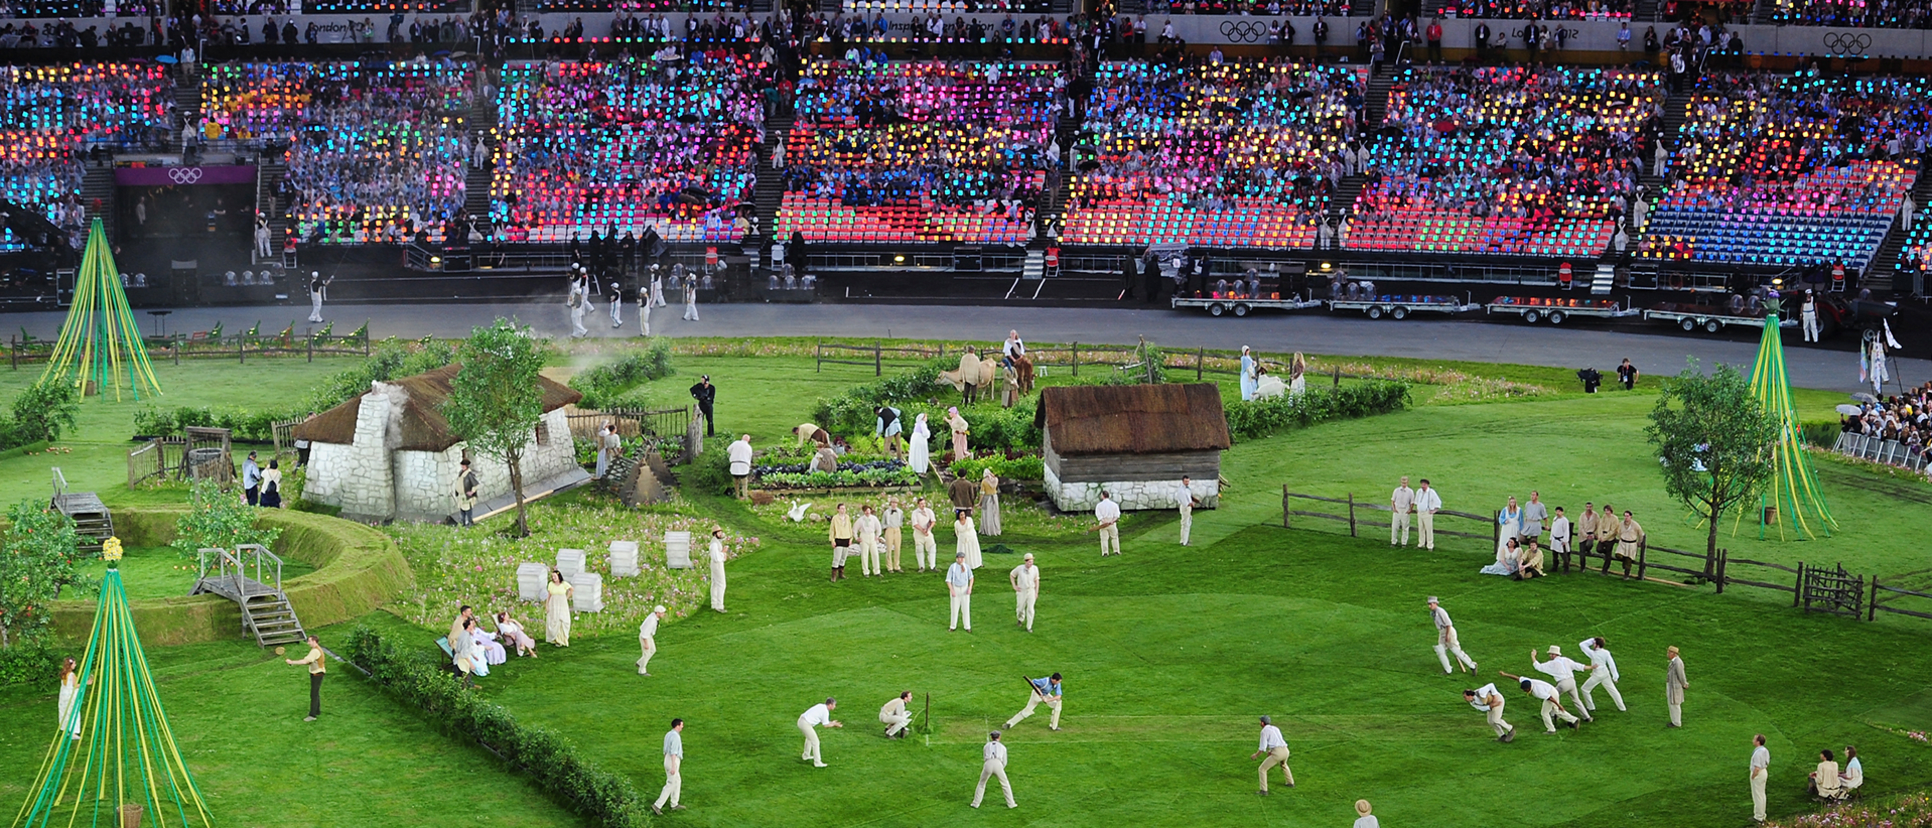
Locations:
(852, 413)
(1021, 467)
(556, 765)
(43, 410)
(603, 385)
(218, 520)
(391, 358)
(245, 426)
(32, 663)
(710, 472)
(1822, 435)
(1260, 418)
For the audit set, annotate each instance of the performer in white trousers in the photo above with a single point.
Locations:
(994, 766)
(1026, 590)
(1401, 503)
(1427, 501)
(895, 716)
(925, 548)
(644, 310)
(1562, 672)
(1545, 692)
(673, 769)
(959, 585)
(1603, 673)
(317, 287)
(616, 305)
(1490, 701)
(818, 715)
(1809, 313)
(1446, 642)
(1184, 499)
(871, 544)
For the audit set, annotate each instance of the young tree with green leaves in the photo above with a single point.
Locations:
(1713, 437)
(495, 402)
(218, 519)
(38, 561)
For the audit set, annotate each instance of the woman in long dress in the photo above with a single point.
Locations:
(919, 454)
(1509, 524)
(717, 551)
(989, 503)
(1297, 376)
(556, 611)
(70, 697)
(508, 628)
(1507, 560)
(1249, 377)
(958, 424)
(272, 485)
(967, 538)
(486, 642)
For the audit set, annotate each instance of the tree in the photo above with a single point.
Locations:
(495, 402)
(1713, 437)
(38, 561)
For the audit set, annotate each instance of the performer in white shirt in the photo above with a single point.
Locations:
(818, 715)
(993, 766)
(1026, 590)
(871, 543)
(1562, 672)
(1276, 749)
(1427, 502)
(1446, 642)
(1552, 706)
(1107, 513)
(1490, 701)
(647, 639)
(1603, 672)
(1760, 770)
(1401, 503)
(925, 549)
(1185, 500)
(895, 716)
(1560, 538)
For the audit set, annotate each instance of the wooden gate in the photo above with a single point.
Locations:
(1835, 591)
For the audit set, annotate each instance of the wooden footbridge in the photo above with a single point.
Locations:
(266, 612)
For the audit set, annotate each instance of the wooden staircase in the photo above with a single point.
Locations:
(266, 612)
(91, 519)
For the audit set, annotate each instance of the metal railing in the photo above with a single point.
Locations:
(1879, 450)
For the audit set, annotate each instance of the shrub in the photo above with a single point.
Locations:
(43, 410)
(391, 358)
(603, 385)
(246, 426)
(1260, 418)
(1022, 467)
(418, 678)
(38, 560)
(710, 472)
(31, 663)
(220, 520)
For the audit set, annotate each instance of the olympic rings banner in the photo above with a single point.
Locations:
(183, 176)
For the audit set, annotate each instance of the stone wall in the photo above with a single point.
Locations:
(1132, 495)
(368, 482)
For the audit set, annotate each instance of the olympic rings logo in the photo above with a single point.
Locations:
(1845, 44)
(184, 175)
(1243, 31)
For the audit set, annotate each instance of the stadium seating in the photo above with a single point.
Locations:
(1912, 14)
(1505, 161)
(625, 144)
(1915, 259)
(376, 150)
(1541, 9)
(1235, 155)
(1769, 174)
(50, 114)
(916, 152)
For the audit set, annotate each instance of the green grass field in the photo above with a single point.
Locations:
(1170, 653)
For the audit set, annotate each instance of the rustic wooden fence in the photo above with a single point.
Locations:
(1071, 356)
(683, 423)
(1812, 588)
(163, 458)
(200, 346)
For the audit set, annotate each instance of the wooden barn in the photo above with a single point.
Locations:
(389, 455)
(1134, 441)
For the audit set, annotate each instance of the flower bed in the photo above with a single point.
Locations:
(478, 567)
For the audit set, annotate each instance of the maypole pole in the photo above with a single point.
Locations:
(1794, 496)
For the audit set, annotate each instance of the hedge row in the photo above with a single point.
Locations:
(357, 569)
(416, 678)
(605, 385)
(1260, 418)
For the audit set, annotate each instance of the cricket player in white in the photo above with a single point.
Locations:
(1562, 671)
(1427, 501)
(818, 715)
(871, 542)
(925, 550)
(1446, 642)
(994, 765)
(1603, 672)
(1184, 499)
(1490, 701)
(647, 639)
(1400, 504)
(895, 716)
(1546, 693)
(1026, 590)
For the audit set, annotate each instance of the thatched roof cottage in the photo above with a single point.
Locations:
(1134, 441)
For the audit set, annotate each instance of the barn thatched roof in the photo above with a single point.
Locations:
(1132, 419)
(422, 427)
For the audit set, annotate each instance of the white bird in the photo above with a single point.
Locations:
(797, 512)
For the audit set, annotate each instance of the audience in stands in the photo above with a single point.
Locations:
(629, 143)
(1903, 419)
(51, 116)
(1236, 153)
(927, 151)
(1889, 14)
(1539, 161)
(375, 152)
(1787, 170)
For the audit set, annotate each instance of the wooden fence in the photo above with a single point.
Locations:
(235, 346)
(1812, 588)
(683, 423)
(163, 458)
(1070, 356)
(881, 355)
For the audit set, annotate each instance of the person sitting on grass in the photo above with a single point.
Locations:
(1508, 560)
(1531, 565)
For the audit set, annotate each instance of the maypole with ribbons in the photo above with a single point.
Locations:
(113, 761)
(100, 344)
(1793, 499)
